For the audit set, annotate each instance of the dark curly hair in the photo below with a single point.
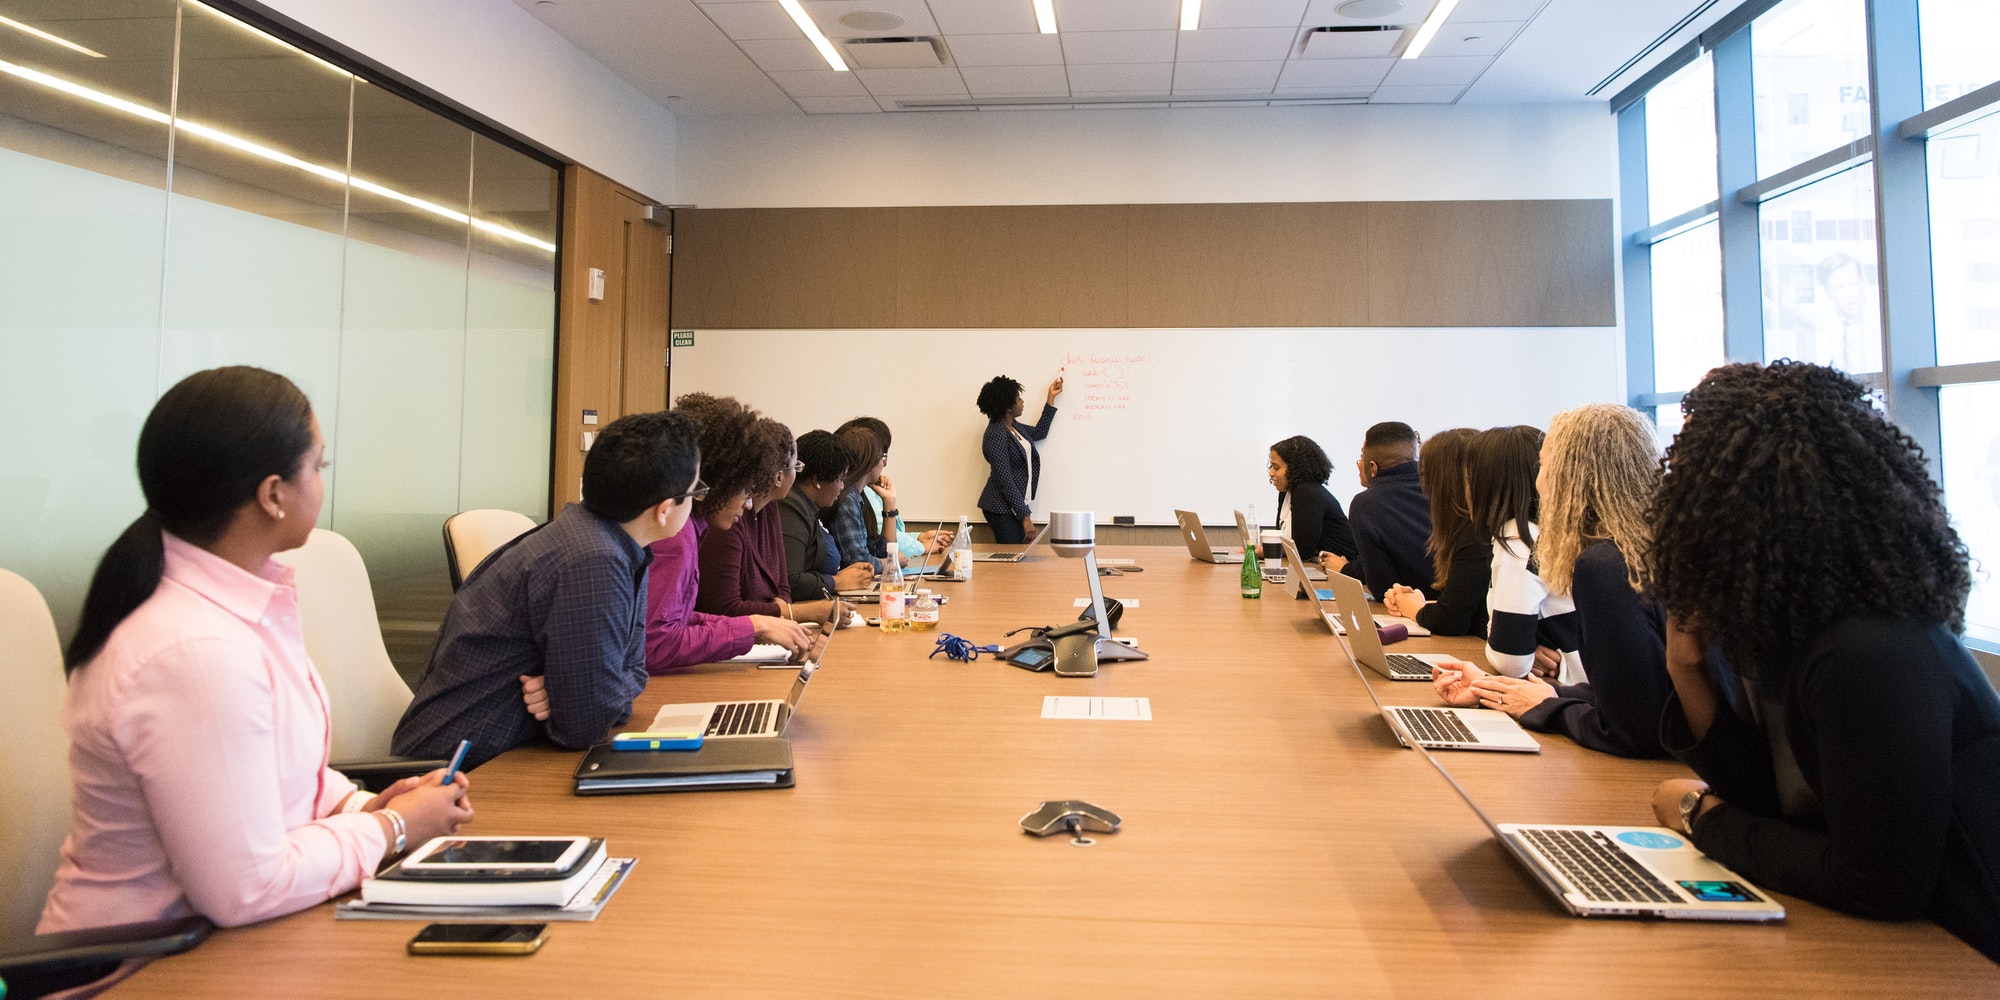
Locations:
(1305, 461)
(735, 460)
(996, 397)
(825, 457)
(768, 436)
(1790, 502)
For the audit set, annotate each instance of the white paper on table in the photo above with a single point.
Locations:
(1084, 602)
(1106, 709)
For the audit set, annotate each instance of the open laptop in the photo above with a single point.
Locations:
(1352, 620)
(1014, 557)
(1621, 871)
(1197, 540)
(1440, 727)
(728, 720)
(1322, 597)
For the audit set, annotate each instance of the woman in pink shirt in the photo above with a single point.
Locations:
(198, 727)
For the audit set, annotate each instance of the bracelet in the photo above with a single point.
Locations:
(784, 610)
(402, 830)
(356, 801)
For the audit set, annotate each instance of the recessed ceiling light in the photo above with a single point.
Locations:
(1045, 16)
(1190, 14)
(1429, 28)
(813, 34)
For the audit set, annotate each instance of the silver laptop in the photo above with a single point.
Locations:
(1322, 598)
(1197, 540)
(1014, 557)
(1442, 728)
(729, 720)
(1624, 871)
(1350, 607)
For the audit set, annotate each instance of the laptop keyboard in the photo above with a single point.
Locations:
(734, 718)
(1435, 725)
(1405, 665)
(1598, 868)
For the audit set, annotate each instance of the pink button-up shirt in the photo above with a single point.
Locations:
(198, 748)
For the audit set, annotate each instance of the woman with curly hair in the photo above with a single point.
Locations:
(1015, 466)
(1461, 560)
(737, 463)
(1848, 746)
(743, 568)
(1307, 512)
(1599, 466)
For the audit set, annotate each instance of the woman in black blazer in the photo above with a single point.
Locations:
(1009, 447)
(1307, 511)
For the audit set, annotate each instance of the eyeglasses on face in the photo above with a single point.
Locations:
(700, 490)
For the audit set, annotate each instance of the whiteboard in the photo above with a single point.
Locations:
(1150, 420)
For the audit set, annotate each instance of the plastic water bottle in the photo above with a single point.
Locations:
(959, 560)
(923, 614)
(894, 617)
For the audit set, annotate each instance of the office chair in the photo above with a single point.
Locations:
(344, 638)
(470, 536)
(34, 779)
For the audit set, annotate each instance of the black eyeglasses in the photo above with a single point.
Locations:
(700, 490)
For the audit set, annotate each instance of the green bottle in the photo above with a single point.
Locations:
(1253, 572)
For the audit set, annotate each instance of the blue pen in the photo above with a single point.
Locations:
(457, 759)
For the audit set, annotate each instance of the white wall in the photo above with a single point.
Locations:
(497, 60)
(1333, 153)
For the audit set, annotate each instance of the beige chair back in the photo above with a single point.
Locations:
(34, 772)
(344, 638)
(470, 536)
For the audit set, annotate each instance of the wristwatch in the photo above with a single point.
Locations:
(1691, 809)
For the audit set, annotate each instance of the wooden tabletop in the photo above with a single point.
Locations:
(1276, 841)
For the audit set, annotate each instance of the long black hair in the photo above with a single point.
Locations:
(1790, 502)
(1500, 468)
(203, 451)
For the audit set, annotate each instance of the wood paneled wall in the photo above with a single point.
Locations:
(1313, 264)
(611, 354)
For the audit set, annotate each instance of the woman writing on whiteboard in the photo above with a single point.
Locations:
(1009, 447)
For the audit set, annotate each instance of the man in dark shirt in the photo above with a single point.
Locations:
(1390, 518)
(564, 604)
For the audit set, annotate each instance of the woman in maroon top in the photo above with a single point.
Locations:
(743, 566)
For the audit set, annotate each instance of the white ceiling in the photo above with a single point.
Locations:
(747, 57)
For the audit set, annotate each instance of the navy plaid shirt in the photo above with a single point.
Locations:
(566, 601)
(848, 520)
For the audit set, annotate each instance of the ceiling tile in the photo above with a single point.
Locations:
(1220, 104)
(779, 55)
(1333, 74)
(1006, 50)
(1325, 12)
(984, 17)
(1365, 44)
(1473, 38)
(827, 13)
(1123, 78)
(1437, 70)
(1498, 10)
(1236, 44)
(1113, 15)
(912, 82)
(1251, 13)
(743, 21)
(1025, 107)
(1083, 47)
(1213, 76)
(1416, 95)
(824, 83)
(1015, 81)
(838, 105)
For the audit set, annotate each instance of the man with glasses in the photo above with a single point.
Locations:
(546, 638)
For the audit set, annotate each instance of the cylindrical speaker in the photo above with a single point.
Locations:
(1072, 532)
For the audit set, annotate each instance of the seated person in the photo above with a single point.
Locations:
(811, 558)
(1390, 519)
(1461, 560)
(1599, 466)
(565, 603)
(856, 533)
(1848, 746)
(735, 468)
(882, 497)
(743, 565)
(1307, 512)
(198, 726)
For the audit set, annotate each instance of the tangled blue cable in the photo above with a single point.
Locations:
(962, 650)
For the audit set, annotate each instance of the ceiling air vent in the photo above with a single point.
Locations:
(895, 53)
(1357, 41)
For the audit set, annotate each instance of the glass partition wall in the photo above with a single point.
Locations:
(182, 191)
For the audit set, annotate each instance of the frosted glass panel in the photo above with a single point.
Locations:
(510, 334)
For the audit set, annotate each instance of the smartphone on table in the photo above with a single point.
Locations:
(479, 939)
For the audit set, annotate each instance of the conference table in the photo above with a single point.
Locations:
(1276, 840)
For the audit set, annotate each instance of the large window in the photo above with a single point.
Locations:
(1680, 141)
(1821, 298)
(1687, 308)
(183, 191)
(1810, 69)
(1958, 47)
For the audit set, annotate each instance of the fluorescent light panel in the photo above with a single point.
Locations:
(1429, 28)
(237, 142)
(813, 35)
(45, 36)
(1190, 14)
(1045, 16)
